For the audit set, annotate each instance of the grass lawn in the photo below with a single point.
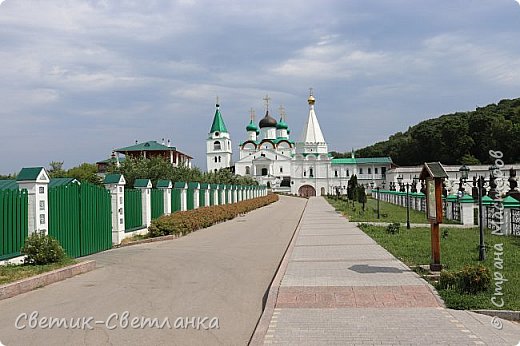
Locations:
(388, 212)
(459, 248)
(10, 273)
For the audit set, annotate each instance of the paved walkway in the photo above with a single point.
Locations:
(222, 271)
(341, 288)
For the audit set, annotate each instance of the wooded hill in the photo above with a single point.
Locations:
(456, 138)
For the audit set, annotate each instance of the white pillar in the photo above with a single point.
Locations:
(184, 199)
(166, 187)
(145, 185)
(466, 210)
(36, 181)
(115, 183)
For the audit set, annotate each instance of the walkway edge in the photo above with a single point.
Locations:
(263, 323)
(26, 285)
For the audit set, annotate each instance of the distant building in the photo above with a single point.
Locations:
(148, 149)
(304, 167)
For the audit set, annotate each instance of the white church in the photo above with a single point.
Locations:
(303, 167)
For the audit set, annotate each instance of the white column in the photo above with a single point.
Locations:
(184, 199)
(115, 183)
(36, 182)
(147, 205)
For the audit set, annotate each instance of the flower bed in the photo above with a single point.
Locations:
(184, 222)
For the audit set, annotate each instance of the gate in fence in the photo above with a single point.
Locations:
(80, 218)
(13, 222)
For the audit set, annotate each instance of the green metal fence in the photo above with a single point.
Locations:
(176, 200)
(80, 218)
(202, 197)
(133, 209)
(157, 197)
(13, 222)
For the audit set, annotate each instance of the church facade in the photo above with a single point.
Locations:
(304, 167)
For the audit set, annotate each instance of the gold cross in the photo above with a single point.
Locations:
(252, 113)
(310, 92)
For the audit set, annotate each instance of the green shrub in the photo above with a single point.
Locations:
(393, 228)
(184, 222)
(448, 280)
(470, 279)
(474, 279)
(42, 249)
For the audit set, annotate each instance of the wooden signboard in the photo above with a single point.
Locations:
(434, 174)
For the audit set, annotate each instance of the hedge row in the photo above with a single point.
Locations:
(184, 222)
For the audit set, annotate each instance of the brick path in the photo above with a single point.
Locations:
(341, 288)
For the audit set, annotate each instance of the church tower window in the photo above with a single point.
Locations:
(336, 173)
(311, 173)
(217, 145)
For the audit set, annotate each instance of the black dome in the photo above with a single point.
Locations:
(267, 121)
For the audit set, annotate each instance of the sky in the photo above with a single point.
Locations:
(80, 78)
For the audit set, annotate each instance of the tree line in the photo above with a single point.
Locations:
(458, 138)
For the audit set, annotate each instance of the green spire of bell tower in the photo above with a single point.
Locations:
(218, 123)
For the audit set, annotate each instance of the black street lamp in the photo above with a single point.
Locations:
(464, 170)
(481, 247)
(414, 184)
(407, 206)
(400, 181)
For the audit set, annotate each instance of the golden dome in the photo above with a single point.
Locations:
(311, 100)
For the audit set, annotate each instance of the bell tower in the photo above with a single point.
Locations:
(218, 144)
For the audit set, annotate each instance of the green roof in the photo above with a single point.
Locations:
(204, 186)
(112, 178)
(510, 201)
(146, 146)
(141, 182)
(218, 123)
(466, 199)
(30, 173)
(161, 183)
(179, 185)
(252, 126)
(62, 181)
(434, 170)
(193, 185)
(111, 160)
(359, 160)
(282, 125)
(8, 185)
(214, 186)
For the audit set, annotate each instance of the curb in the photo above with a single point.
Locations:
(509, 315)
(147, 240)
(25, 285)
(272, 294)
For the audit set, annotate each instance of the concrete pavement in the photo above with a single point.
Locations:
(338, 287)
(219, 272)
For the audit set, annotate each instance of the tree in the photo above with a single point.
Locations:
(85, 172)
(361, 195)
(56, 170)
(351, 187)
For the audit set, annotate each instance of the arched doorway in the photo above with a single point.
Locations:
(306, 191)
(323, 191)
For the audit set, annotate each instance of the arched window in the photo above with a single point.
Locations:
(335, 173)
(311, 173)
(219, 159)
(248, 170)
(216, 145)
(216, 159)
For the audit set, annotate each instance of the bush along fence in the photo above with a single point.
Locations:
(463, 209)
(87, 218)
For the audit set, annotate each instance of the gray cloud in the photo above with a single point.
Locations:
(80, 78)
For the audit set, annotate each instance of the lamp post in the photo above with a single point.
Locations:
(481, 247)
(414, 184)
(407, 206)
(464, 170)
(400, 182)
(378, 214)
